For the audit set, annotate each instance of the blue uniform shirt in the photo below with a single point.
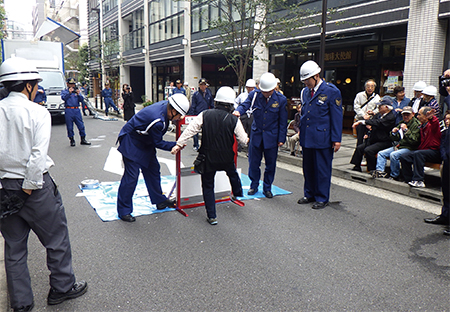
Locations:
(144, 132)
(321, 119)
(181, 90)
(40, 97)
(200, 102)
(269, 118)
(107, 93)
(71, 99)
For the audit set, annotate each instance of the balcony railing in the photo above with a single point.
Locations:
(134, 39)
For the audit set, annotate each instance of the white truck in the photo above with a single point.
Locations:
(48, 57)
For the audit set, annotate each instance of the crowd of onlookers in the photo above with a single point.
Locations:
(408, 132)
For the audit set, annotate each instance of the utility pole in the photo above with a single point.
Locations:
(322, 36)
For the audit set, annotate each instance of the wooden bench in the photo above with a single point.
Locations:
(433, 165)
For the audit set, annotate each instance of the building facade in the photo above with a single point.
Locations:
(153, 42)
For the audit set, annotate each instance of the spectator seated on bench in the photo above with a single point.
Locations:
(381, 125)
(428, 151)
(293, 135)
(405, 137)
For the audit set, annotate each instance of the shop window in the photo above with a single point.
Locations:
(371, 53)
(394, 48)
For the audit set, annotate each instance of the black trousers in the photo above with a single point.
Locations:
(371, 153)
(417, 159)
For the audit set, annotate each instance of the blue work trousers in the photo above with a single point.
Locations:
(152, 178)
(317, 167)
(73, 115)
(255, 154)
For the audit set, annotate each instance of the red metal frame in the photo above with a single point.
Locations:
(179, 206)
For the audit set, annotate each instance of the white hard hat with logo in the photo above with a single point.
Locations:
(18, 69)
(180, 103)
(225, 95)
(430, 90)
(419, 86)
(267, 82)
(309, 69)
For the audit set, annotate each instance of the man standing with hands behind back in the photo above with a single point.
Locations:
(269, 129)
(320, 133)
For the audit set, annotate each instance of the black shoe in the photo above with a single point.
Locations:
(305, 200)
(127, 218)
(167, 203)
(447, 231)
(438, 220)
(292, 153)
(357, 168)
(25, 309)
(319, 205)
(72, 141)
(268, 194)
(84, 142)
(252, 191)
(78, 289)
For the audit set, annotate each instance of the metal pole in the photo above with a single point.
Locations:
(322, 36)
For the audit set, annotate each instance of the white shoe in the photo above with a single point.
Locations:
(417, 184)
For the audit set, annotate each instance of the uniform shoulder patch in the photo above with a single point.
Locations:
(338, 102)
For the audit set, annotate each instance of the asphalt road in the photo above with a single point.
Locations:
(362, 253)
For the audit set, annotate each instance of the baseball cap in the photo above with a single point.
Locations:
(203, 80)
(407, 110)
(178, 81)
(385, 101)
(71, 80)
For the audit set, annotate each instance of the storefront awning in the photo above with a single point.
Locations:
(56, 31)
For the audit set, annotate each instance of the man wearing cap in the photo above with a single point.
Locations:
(25, 130)
(107, 97)
(201, 100)
(269, 129)
(188, 90)
(72, 98)
(405, 137)
(428, 150)
(179, 88)
(380, 125)
(320, 133)
(139, 139)
(417, 101)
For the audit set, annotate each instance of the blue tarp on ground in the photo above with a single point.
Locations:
(104, 198)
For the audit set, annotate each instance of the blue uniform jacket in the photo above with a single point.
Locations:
(269, 118)
(144, 132)
(107, 93)
(200, 103)
(40, 97)
(321, 119)
(181, 90)
(71, 99)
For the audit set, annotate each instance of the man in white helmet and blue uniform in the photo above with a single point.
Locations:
(320, 133)
(139, 139)
(268, 132)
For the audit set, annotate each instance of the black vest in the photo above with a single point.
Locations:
(218, 137)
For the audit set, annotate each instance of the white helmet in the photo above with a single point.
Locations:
(419, 86)
(430, 90)
(267, 82)
(18, 69)
(225, 95)
(180, 103)
(309, 69)
(251, 83)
